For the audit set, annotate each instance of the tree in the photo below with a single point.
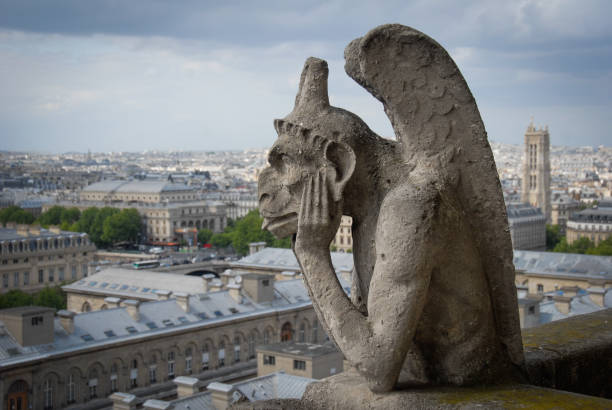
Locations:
(53, 216)
(204, 235)
(122, 226)
(96, 229)
(51, 297)
(603, 249)
(221, 240)
(552, 236)
(581, 245)
(15, 298)
(16, 214)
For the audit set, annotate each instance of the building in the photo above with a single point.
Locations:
(282, 264)
(170, 212)
(32, 257)
(314, 361)
(139, 348)
(592, 223)
(562, 207)
(237, 203)
(105, 289)
(527, 227)
(535, 189)
(343, 241)
(543, 272)
(220, 396)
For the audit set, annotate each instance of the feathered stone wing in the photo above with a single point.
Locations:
(435, 118)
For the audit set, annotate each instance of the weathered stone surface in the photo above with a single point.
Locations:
(573, 354)
(433, 300)
(349, 391)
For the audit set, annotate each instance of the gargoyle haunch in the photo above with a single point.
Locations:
(433, 299)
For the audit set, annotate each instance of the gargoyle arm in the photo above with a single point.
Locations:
(377, 344)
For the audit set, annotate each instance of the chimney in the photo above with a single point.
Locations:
(67, 320)
(259, 287)
(186, 386)
(132, 306)
(234, 292)
(597, 295)
(226, 276)
(182, 299)
(23, 229)
(221, 395)
(163, 294)
(35, 229)
(123, 401)
(563, 304)
(570, 291)
(204, 284)
(255, 247)
(215, 285)
(152, 404)
(112, 302)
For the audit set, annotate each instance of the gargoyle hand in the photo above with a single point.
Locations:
(319, 216)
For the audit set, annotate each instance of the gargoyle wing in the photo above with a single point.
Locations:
(435, 118)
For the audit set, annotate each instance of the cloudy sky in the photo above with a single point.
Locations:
(114, 75)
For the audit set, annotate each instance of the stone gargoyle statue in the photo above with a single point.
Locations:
(433, 300)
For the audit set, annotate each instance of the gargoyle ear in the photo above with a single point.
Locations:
(343, 159)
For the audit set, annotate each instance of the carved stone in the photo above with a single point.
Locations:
(433, 300)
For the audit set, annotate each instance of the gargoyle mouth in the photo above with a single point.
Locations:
(281, 226)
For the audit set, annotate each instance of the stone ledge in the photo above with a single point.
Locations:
(573, 354)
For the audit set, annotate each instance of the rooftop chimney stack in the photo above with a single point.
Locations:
(563, 304)
(597, 295)
(67, 320)
(221, 395)
(234, 292)
(163, 294)
(133, 308)
(112, 302)
(123, 401)
(570, 291)
(186, 386)
(182, 299)
(255, 247)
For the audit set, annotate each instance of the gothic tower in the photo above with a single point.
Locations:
(535, 189)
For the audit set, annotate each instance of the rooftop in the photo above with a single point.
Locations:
(8, 234)
(140, 284)
(149, 187)
(300, 349)
(564, 264)
(284, 259)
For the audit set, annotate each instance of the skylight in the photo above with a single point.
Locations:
(202, 315)
(87, 337)
(151, 325)
(144, 290)
(114, 286)
(233, 310)
(218, 313)
(131, 329)
(124, 287)
(167, 322)
(183, 319)
(103, 285)
(109, 333)
(93, 283)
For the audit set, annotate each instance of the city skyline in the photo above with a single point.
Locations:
(192, 77)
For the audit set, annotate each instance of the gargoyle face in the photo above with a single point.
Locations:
(292, 161)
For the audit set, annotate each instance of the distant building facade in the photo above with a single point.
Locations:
(535, 189)
(139, 348)
(170, 212)
(562, 208)
(343, 241)
(32, 258)
(527, 227)
(314, 361)
(592, 223)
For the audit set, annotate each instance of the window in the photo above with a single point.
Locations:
(134, 374)
(237, 349)
(221, 361)
(299, 365)
(301, 334)
(48, 395)
(205, 357)
(5, 280)
(73, 272)
(265, 282)
(251, 346)
(93, 388)
(315, 331)
(84, 269)
(61, 274)
(16, 279)
(269, 360)
(171, 362)
(266, 337)
(188, 360)
(113, 378)
(71, 390)
(540, 288)
(26, 278)
(153, 374)
(51, 274)
(37, 320)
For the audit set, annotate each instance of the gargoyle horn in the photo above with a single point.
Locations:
(312, 93)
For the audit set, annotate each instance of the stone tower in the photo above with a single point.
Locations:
(535, 189)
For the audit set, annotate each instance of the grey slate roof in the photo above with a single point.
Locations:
(7, 234)
(564, 264)
(140, 284)
(301, 349)
(136, 186)
(284, 259)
